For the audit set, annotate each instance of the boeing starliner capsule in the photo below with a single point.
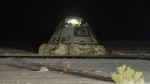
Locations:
(73, 30)
(72, 37)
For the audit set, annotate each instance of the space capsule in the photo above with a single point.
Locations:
(73, 30)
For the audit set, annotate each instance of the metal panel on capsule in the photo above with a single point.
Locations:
(73, 30)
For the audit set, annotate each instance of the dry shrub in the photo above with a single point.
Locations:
(126, 75)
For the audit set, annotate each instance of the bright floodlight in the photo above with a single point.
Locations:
(73, 21)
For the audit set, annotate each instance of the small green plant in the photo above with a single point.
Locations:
(66, 67)
(43, 69)
(126, 75)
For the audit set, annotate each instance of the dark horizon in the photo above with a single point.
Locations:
(109, 20)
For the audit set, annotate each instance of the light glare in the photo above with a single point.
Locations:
(73, 21)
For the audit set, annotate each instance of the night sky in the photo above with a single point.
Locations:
(110, 20)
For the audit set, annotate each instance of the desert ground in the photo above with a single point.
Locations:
(72, 70)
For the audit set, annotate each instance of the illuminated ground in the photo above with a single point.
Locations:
(26, 70)
(15, 70)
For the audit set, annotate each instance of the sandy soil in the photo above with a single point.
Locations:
(81, 71)
(26, 70)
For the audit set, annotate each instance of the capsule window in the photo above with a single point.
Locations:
(63, 39)
(83, 32)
